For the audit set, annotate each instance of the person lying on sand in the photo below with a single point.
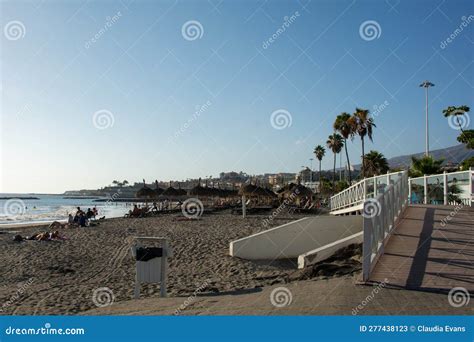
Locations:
(42, 236)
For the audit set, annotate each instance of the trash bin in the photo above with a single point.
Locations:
(151, 262)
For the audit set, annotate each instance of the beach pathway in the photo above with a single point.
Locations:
(431, 249)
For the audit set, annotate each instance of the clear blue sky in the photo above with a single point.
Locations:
(143, 71)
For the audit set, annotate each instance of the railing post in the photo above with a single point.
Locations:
(425, 190)
(388, 178)
(409, 190)
(471, 174)
(366, 247)
(375, 187)
(365, 188)
(445, 188)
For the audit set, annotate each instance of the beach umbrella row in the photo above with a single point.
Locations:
(198, 191)
(251, 190)
(295, 191)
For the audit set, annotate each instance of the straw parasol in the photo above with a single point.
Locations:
(181, 192)
(158, 190)
(170, 192)
(200, 191)
(249, 190)
(145, 192)
(294, 191)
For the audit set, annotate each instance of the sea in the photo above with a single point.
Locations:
(48, 208)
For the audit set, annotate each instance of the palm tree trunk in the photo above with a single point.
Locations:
(320, 177)
(334, 173)
(348, 163)
(363, 154)
(459, 124)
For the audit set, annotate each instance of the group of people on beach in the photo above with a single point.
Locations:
(82, 218)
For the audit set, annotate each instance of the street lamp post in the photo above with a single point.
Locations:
(426, 85)
(311, 174)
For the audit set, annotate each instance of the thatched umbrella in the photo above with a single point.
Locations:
(181, 192)
(266, 193)
(249, 190)
(295, 192)
(170, 192)
(145, 192)
(199, 191)
(158, 190)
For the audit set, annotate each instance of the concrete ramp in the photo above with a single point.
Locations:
(295, 238)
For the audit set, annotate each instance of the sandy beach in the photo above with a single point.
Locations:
(59, 277)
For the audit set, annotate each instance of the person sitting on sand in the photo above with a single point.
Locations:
(95, 211)
(89, 214)
(83, 221)
(70, 219)
(135, 212)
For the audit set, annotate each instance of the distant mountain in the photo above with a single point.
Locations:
(451, 155)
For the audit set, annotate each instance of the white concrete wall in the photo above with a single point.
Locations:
(324, 252)
(295, 238)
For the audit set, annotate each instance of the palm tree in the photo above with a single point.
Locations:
(343, 126)
(363, 125)
(319, 152)
(456, 112)
(466, 136)
(125, 182)
(426, 165)
(335, 144)
(375, 164)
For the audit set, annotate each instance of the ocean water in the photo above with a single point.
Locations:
(48, 208)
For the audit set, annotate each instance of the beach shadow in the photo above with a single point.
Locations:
(230, 293)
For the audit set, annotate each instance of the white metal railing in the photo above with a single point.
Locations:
(366, 188)
(380, 215)
(445, 188)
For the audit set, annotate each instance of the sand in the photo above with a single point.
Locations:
(59, 277)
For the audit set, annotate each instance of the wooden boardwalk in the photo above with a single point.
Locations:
(431, 249)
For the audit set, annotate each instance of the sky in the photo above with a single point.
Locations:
(94, 91)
